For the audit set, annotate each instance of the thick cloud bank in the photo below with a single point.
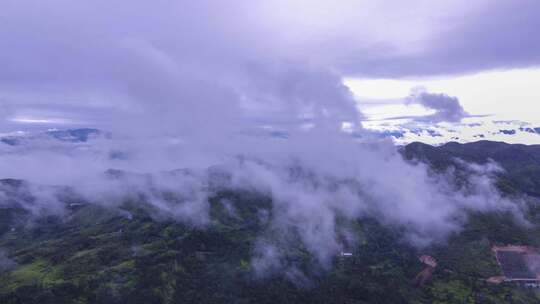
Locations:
(90, 62)
(316, 181)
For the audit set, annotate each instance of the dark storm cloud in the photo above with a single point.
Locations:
(447, 108)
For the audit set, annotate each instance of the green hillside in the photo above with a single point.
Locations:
(93, 254)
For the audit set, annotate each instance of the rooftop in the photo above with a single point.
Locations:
(518, 263)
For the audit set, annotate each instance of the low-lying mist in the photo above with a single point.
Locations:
(314, 183)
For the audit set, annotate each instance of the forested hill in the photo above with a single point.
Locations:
(125, 254)
(520, 162)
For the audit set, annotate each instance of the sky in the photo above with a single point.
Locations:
(66, 64)
(288, 98)
(505, 94)
(490, 101)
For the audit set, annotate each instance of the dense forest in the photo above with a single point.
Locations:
(95, 254)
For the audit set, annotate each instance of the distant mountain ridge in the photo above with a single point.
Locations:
(520, 162)
(79, 135)
(438, 134)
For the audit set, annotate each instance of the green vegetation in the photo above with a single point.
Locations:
(94, 255)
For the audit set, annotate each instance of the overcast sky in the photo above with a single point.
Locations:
(97, 62)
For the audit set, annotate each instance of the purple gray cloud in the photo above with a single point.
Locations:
(95, 61)
(492, 35)
(447, 108)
